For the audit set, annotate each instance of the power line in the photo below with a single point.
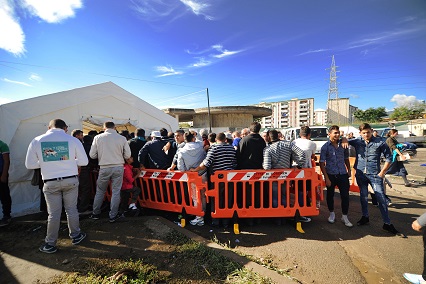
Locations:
(98, 74)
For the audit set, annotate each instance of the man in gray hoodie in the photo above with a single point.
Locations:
(190, 156)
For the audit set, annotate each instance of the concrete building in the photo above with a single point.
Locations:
(222, 118)
(292, 113)
(320, 117)
(340, 112)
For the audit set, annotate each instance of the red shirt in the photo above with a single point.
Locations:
(127, 177)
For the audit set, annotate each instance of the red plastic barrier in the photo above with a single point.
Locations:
(171, 191)
(265, 193)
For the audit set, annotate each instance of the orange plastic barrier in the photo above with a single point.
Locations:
(265, 193)
(179, 192)
(354, 186)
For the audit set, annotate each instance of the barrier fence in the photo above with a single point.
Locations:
(265, 193)
(232, 194)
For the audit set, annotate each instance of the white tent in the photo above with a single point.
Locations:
(83, 108)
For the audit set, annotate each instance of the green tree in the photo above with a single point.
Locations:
(408, 112)
(370, 114)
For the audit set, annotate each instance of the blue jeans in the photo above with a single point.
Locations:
(115, 174)
(376, 183)
(56, 192)
(275, 194)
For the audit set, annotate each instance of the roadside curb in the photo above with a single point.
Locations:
(261, 270)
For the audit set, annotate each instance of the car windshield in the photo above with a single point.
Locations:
(319, 134)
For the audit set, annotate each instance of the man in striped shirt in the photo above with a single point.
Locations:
(221, 156)
(280, 155)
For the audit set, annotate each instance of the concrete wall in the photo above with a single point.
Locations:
(223, 120)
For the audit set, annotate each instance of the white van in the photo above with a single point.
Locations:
(319, 135)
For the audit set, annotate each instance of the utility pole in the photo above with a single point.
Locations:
(208, 110)
(333, 94)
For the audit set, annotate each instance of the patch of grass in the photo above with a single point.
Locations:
(113, 271)
(245, 276)
(187, 262)
(176, 238)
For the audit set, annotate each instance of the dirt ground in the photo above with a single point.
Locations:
(326, 253)
(138, 237)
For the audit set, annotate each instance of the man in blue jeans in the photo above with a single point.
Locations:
(367, 165)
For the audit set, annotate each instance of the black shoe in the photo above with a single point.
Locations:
(5, 221)
(390, 228)
(79, 238)
(305, 219)
(118, 216)
(363, 221)
(46, 248)
(95, 216)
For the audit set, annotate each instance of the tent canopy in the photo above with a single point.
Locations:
(84, 108)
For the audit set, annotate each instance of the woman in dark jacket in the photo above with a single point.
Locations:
(397, 167)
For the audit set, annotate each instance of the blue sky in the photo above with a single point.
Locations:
(168, 52)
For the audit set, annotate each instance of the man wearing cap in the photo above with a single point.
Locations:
(111, 149)
(58, 155)
(153, 152)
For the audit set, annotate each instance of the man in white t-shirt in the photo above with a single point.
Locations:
(305, 143)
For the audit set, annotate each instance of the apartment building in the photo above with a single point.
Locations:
(291, 113)
(320, 117)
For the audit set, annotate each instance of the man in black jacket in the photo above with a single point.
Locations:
(250, 149)
(153, 152)
(250, 156)
(136, 145)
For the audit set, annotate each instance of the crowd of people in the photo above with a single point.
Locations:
(66, 161)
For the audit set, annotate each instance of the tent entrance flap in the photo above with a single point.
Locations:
(96, 123)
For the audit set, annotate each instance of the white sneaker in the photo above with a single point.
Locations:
(414, 278)
(332, 218)
(132, 206)
(346, 221)
(199, 221)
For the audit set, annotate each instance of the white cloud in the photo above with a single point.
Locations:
(12, 37)
(385, 37)
(201, 63)
(52, 11)
(223, 52)
(198, 7)
(154, 10)
(404, 100)
(314, 51)
(16, 82)
(35, 77)
(167, 71)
